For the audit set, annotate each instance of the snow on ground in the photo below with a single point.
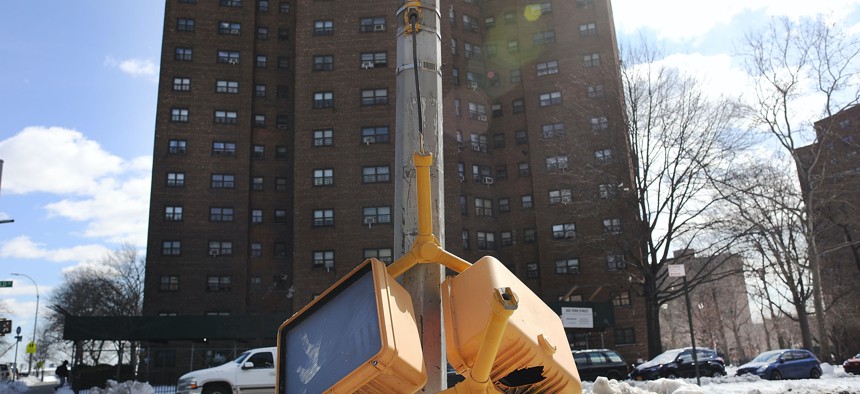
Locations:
(12, 387)
(833, 381)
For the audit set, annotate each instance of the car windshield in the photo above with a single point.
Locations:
(767, 357)
(665, 357)
(857, 355)
(241, 357)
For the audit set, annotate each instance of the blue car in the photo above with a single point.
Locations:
(783, 364)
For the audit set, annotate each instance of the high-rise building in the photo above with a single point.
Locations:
(274, 154)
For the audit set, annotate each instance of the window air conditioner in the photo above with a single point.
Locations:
(476, 147)
(369, 220)
(488, 180)
(368, 140)
(482, 118)
(378, 27)
(213, 252)
(473, 85)
(233, 61)
(367, 64)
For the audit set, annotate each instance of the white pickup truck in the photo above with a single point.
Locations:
(253, 372)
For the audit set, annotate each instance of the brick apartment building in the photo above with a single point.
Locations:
(832, 191)
(274, 153)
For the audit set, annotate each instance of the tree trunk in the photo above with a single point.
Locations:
(652, 319)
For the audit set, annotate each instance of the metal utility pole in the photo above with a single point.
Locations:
(419, 129)
(31, 347)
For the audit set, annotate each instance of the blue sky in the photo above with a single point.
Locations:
(78, 95)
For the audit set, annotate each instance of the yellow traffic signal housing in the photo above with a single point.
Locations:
(359, 336)
(533, 353)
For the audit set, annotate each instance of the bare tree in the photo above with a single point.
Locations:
(803, 71)
(680, 140)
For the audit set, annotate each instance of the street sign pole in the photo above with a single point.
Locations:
(677, 270)
(18, 338)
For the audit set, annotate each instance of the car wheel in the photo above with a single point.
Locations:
(814, 374)
(614, 375)
(672, 375)
(717, 373)
(217, 389)
(775, 375)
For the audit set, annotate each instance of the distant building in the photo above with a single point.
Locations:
(833, 192)
(274, 147)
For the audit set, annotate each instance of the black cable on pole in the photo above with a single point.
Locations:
(413, 20)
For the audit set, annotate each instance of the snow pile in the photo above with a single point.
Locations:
(128, 387)
(12, 387)
(659, 386)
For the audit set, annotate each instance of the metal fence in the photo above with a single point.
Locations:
(156, 389)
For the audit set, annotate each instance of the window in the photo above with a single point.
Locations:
(367, 25)
(588, 29)
(223, 181)
(464, 239)
(543, 38)
(280, 249)
(260, 91)
(621, 299)
(324, 177)
(560, 196)
(552, 98)
(526, 201)
(280, 184)
(498, 140)
(523, 169)
(283, 91)
(595, 91)
(491, 50)
(231, 28)
(529, 235)
(175, 179)
(374, 59)
(171, 248)
(497, 110)
(262, 61)
(563, 231)
(471, 23)
(486, 241)
(550, 67)
(173, 214)
(220, 214)
(373, 215)
(552, 130)
(615, 262)
(256, 216)
(567, 266)
(374, 97)
(513, 46)
(471, 50)
(256, 249)
(183, 54)
(374, 134)
(501, 171)
(556, 163)
(226, 117)
(182, 84)
(510, 18)
(223, 148)
(583, 3)
(283, 34)
(518, 106)
(489, 21)
(259, 121)
(324, 137)
(507, 238)
(231, 3)
(323, 217)
(599, 123)
(220, 248)
(479, 142)
(454, 46)
(477, 111)
(546, 8)
(625, 336)
(591, 60)
(185, 24)
(375, 174)
(176, 147)
(284, 7)
(179, 115)
(516, 76)
(219, 283)
(607, 190)
(483, 207)
(464, 209)
(231, 57)
(603, 155)
(383, 255)
(227, 87)
(323, 63)
(532, 271)
(612, 226)
(263, 5)
(283, 62)
(481, 173)
(280, 216)
(520, 137)
(323, 100)
(504, 204)
(169, 283)
(258, 152)
(457, 111)
(324, 259)
(257, 183)
(323, 28)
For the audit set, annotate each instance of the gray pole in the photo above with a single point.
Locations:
(35, 320)
(419, 129)
(692, 336)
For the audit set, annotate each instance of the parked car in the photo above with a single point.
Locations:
(783, 364)
(592, 363)
(5, 371)
(678, 363)
(852, 365)
(253, 371)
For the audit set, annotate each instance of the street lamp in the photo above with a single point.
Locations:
(35, 321)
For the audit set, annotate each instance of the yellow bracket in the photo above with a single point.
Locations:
(412, 8)
(426, 248)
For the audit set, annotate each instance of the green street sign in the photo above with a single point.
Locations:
(5, 283)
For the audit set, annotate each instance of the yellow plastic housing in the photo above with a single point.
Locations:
(335, 344)
(534, 335)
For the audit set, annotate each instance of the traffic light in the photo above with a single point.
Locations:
(533, 353)
(5, 327)
(358, 336)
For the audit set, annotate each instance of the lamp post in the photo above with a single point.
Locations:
(35, 321)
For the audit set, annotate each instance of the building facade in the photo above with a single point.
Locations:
(274, 153)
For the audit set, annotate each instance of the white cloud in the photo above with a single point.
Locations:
(22, 247)
(134, 67)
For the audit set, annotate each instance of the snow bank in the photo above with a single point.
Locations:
(12, 387)
(112, 387)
